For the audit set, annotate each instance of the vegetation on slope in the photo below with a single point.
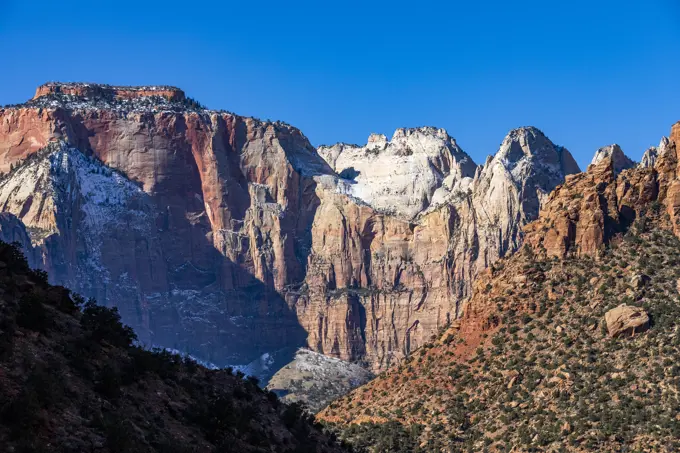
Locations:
(72, 380)
(544, 375)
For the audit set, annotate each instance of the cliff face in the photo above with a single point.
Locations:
(533, 361)
(212, 215)
(378, 286)
(229, 237)
(583, 215)
(71, 380)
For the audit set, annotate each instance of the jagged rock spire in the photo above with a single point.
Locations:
(613, 152)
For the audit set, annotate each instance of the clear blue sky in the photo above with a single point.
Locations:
(588, 73)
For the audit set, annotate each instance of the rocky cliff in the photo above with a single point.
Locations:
(194, 220)
(379, 286)
(229, 237)
(555, 349)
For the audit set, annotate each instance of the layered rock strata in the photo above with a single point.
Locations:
(228, 237)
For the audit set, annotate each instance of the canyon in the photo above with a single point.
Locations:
(235, 240)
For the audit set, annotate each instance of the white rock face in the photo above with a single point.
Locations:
(652, 154)
(649, 157)
(79, 213)
(401, 176)
(315, 379)
(526, 168)
(505, 194)
(613, 152)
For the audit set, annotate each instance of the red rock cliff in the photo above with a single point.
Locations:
(230, 237)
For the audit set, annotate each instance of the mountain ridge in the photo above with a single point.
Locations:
(255, 243)
(534, 362)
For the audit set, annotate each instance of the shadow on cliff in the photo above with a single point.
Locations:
(216, 309)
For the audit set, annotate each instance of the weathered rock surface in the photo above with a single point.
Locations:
(402, 175)
(378, 287)
(626, 320)
(532, 328)
(614, 153)
(584, 214)
(228, 238)
(649, 157)
(215, 226)
(315, 379)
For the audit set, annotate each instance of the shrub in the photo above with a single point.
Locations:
(103, 324)
(32, 313)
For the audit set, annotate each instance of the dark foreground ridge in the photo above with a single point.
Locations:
(72, 380)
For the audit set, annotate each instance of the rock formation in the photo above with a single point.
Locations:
(584, 214)
(614, 153)
(228, 237)
(536, 360)
(626, 320)
(378, 287)
(401, 176)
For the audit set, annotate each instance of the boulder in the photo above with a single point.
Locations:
(626, 320)
(639, 281)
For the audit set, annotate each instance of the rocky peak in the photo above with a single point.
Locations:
(377, 140)
(93, 91)
(529, 144)
(401, 176)
(652, 154)
(614, 153)
(527, 166)
(649, 157)
(675, 133)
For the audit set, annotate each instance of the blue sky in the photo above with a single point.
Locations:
(588, 73)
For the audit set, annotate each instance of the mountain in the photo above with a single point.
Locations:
(568, 345)
(232, 239)
(616, 155)
(71, 380)
(401, 176)
(398, 282)
(651, 154)
(204, 223)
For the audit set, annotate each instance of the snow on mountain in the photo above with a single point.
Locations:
(401, 175)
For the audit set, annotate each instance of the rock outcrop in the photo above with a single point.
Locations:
(228, 237)
(626, 320)
(584, 214)
(614, 153)
(402, 175)
(315, 379)
(652, 154)
(649, 157)
(531, 352)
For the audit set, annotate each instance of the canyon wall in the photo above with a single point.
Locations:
(228, 237)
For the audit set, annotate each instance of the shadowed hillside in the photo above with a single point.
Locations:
(72, 380)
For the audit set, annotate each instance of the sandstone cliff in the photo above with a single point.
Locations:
(229, 237)
(378, 287)
(614, 154)
(535, 361)
(195, 220)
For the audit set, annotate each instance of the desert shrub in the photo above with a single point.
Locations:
(103, 324)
